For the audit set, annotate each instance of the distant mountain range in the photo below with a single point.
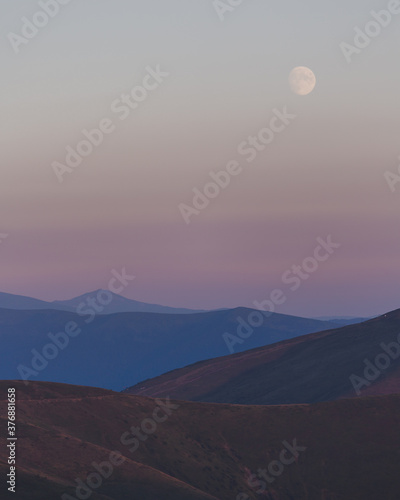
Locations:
(116, 304)
(342, 450)
(342, 320)
(307, 369)
(115, 351)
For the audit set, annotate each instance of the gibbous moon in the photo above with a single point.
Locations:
(302, 80)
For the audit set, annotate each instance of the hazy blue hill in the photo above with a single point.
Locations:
(115, 351)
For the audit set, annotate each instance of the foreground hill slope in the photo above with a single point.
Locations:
(316, 367)
(116, 350)
(202, 451)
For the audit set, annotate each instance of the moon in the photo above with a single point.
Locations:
(302, 80)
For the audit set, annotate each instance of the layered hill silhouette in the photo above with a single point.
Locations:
(343, 321)
(318, 367)
(110, 303)
(114, 351)
(347, 449)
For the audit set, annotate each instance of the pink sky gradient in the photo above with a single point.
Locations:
(324, 175)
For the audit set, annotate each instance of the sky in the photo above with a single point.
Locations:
(225, 78)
